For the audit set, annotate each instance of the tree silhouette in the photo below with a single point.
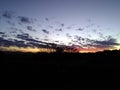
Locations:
(59, 50)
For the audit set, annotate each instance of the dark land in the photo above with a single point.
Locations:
(59, 62)
(68, 69)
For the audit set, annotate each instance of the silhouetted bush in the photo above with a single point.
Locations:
(59, 50)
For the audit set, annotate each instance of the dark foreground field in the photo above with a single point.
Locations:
(59, 62)
(85, 68)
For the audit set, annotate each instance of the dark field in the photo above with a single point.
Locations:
(62, 69)
(59, 62)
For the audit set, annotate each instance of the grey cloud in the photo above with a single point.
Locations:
(80, 29)
(5, 42)
(30, 28)
(24, 20)
(110, 42)
(8, 14)
(45, 31)
(59, 30)
(2, 33)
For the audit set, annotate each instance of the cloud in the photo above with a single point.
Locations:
(45, 31)
(10, 23)
(26, 41)
(104, 44)
(2, 33)
(32, 42)
(5, 42)
(30, 28)
(8, 14)
(62, 25)
(46, 19)
(68, 35)
(27, 38)
(24, 20)
(110, 42)
(80, 29)
(59, 30)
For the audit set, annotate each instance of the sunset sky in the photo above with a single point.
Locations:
(88, 25)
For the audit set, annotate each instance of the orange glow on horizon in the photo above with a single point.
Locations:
(91, 50)
(48, 50)
(27, 49)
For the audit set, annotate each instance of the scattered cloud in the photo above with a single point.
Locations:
(104, 44)
(109, 42)
(46, 19)
(30, 28)
(24, 39)
(5, 42)
(59, 30)
(24, 20)
(8, 14)
(45, 31)
(68, 35)
(2, 33)
(80, 29)
(11, 23)
(62, 25)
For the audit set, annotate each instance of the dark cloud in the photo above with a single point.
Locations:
(30, 28)
(78, 38)
(56, 41)
(62, 25)
(2, 33)
(26, 37)
(104, 44)
(80, 29)
(46, 39)
(5, 42)
(46, 19)
(8, 14)
(110, 42)
(59, 30)
(22, 43)
(24, 20)
(29, 39)
(45, 31)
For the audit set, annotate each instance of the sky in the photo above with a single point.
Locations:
(88, 25)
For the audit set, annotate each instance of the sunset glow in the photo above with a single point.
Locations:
(28, 49)
(73, 25)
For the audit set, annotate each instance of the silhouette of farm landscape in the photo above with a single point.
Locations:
(59, 61)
